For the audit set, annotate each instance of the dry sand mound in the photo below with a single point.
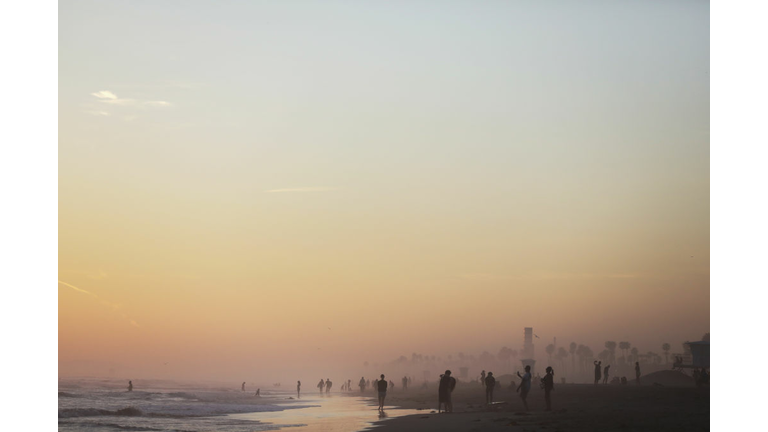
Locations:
(667, 378)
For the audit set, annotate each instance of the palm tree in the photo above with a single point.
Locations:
(624, 346)
(580, 353)
(611, 346)
(665, 347)
(572, 351)
(561, 355)
(504, 355)
(550, 349)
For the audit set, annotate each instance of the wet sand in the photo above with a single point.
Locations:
(340, 412)
(576, 407)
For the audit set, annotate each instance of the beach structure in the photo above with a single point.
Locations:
(696, 355)
(699, 354)
(527, 352)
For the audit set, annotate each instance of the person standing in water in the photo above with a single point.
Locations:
(605, 374)
(525, 385)
(597, 371)
(549, 384)
(382, 388)
(130, 386)
(490, 383)
(298, 389)
(637, 373)
(328, 385)
(320, 385)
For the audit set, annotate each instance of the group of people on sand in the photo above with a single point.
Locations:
(606, 369)
(448, 384)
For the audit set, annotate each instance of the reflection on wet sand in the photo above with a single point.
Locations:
(337, 414)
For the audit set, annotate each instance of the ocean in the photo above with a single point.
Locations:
(106, 405)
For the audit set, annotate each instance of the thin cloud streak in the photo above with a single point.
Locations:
(107, 97)
(301, 189)
(113, 306)
(76, 288)
(105, 94)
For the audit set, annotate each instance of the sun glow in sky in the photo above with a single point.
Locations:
(272, 184)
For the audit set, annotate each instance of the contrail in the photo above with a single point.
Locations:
(106, 303)
(76, 288)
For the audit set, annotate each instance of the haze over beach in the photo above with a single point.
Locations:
(274, 191)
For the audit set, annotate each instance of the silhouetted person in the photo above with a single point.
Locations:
(482, 378)
(605, 374)
(597, 371)
(549, 384)
(368, 383)
(328, 385)
(391, 385)
(362, 385)
(258, 392)
(298, 389)
(490, 383)
(382, 388)
(405, 383)
(130, 386)
(349, 385)
(637, 373)
(444, 390)
(242, 388)
(525, 385)
(320, 385)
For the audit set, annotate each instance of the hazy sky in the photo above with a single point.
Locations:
(235, 178)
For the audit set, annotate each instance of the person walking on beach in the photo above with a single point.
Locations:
(328, 385)
(349, 385)
(605, 374)
(242, 388)
(637, 373)
(405, 383)
(490, 383)
(130, 386)
(361, 384)
(549, 384)
(597, 371)
(382, 388)
(391, 385)
(320, 385)
(298, 389)
(525, 385)
(447, 384)
(258, 392)
(482, 378)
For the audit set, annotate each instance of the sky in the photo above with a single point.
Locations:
(283, 186)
